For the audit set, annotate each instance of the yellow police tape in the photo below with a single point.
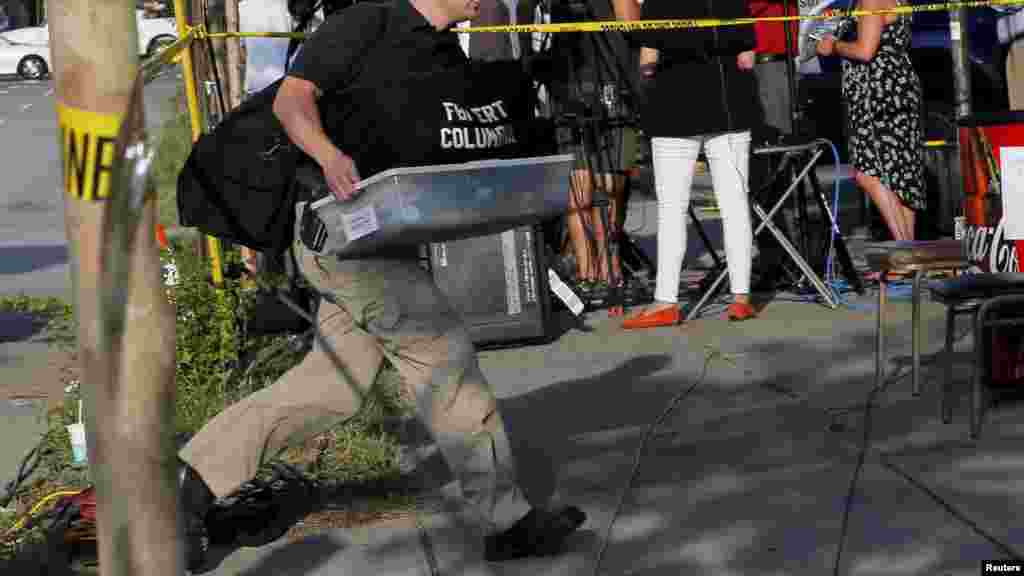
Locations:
(199, 32)
(87, 142)
(683, 24)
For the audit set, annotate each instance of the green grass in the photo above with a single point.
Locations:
(173, 145)
(167, 207)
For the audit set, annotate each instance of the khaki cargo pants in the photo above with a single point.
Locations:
(390, 311)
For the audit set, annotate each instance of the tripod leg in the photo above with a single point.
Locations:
(767, 187)
(841, 250)
(710, 290)
(704, 238)
(801, 202)
(616, 303)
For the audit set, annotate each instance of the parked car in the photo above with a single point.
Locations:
(154, 34)
(820, 77)
(28, 61)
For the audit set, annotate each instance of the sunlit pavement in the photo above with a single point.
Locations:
(749, 473)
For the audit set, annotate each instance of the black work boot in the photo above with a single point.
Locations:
(195, 501)
(539, 533)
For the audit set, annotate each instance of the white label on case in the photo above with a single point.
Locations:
(564, 293)
(442, 255)
(508, 252)
(360, 223)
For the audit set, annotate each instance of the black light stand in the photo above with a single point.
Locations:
(800, 197)
(787, 25)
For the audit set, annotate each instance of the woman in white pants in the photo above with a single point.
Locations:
(701, 93)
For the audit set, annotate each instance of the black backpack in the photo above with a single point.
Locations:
(238, 183)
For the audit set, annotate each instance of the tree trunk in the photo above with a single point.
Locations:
(125, 325)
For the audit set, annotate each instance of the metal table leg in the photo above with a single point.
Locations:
(947, 391)
(915, 374)
(978, 371)
(880, 335)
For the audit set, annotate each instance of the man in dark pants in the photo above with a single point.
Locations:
(381, 314)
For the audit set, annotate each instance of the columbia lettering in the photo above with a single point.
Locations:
(473, 111)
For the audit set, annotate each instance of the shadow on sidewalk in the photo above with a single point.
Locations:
(745, 476)
(749, 480)
(25, 259)
(306, 556)
(16, 327)
(752, 479)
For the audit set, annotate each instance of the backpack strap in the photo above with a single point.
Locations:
(302, 21)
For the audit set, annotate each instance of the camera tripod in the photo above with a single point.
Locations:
(594, 99)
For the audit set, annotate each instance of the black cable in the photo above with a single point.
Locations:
(862, 454)
(848, 504)
(953, 511)
(673, 403)
(213, 60)
(28, 465)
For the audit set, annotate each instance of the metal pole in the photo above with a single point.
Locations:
(234, 54)
(188, 71)
(960, 47)
(125, 325)
(960, 43)
(790, 67)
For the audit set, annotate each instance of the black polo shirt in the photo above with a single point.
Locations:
(398, 93)
(392, 38)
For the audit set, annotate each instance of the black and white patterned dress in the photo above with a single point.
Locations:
(884, 115)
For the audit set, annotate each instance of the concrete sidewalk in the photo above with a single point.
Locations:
(744, 476)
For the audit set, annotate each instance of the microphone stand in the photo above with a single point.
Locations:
(790, 66)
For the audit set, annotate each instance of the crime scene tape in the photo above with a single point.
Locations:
(296, 35)
(87, 143)
(199, 32)
(172, 52)
(695, 23)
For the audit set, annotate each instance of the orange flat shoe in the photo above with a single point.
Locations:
(739, 312)
(667, 317)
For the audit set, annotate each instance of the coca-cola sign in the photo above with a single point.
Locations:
(988, 249)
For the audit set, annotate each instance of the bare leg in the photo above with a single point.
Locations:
(579, 219)
(907, 220)
(894, 213)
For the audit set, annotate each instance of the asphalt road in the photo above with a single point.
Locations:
(33, 244)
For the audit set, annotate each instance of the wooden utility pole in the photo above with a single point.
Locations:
(126, 331)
